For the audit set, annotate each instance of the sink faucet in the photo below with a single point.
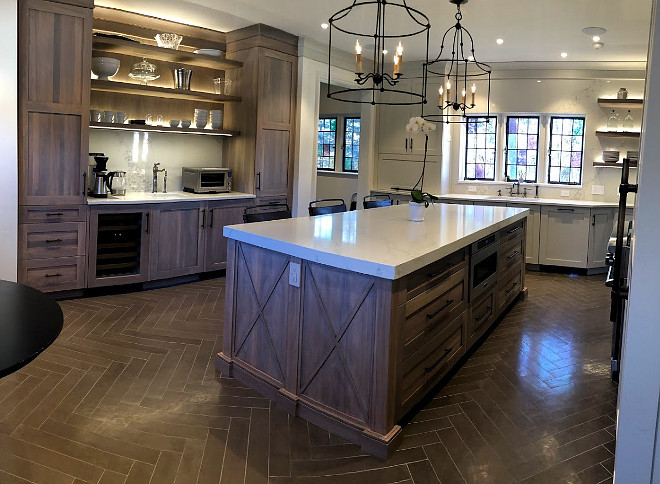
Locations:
(154, 188)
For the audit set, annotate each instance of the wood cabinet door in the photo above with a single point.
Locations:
(600, 231)
(564, 236)
(54, 88)
(176, 247)
(215, 252)
(275, 123)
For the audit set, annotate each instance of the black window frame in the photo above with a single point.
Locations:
(467, 148)
(550, 150)
(343, 146)
(506, 146)
(334, 157)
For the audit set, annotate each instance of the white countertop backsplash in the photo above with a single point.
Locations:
(381, 242)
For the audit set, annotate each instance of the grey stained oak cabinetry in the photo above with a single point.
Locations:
(140, 243)
(262, 157)
(353, 353)
(53, 109)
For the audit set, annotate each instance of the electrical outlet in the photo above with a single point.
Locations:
(565, 193)
(472, 188)
(597, 190)
(294, 274)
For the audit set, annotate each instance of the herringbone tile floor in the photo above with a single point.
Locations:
(128, 394)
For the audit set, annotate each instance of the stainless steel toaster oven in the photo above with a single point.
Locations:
(206, 180)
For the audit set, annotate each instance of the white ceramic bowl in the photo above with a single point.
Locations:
(105, 67)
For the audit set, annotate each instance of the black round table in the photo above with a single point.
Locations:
(29, 323)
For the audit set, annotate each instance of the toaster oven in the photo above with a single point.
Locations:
(206, 180)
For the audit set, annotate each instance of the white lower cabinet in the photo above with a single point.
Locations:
(533, 231)
(564, 236)
(602, 224)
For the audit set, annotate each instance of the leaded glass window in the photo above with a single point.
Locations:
(566, 150)
(522, 148)
(480, 147)
(327, 142)
(351, 144)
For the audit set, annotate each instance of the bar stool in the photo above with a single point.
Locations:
(327, 205)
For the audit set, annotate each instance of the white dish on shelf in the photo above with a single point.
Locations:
(211, 52)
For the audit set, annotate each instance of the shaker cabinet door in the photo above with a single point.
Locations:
(215, 257)
(564, 236)
(176, 240)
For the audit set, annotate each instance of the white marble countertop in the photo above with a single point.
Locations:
(380, 242)
(135, 198)
(566, 202)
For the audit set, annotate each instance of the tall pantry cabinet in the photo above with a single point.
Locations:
(262, 157)
(53, 108)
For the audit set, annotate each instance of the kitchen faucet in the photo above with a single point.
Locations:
(154, 188)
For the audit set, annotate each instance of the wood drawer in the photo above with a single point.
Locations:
(427, 277)
(511, 231)
(40, 214)
(443, 303)
(433, 360)
(482, 315)
(49, 240)
(440, 284)
(509, 286)
(510, 253)
(53, 274)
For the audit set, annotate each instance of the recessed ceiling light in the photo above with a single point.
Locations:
(596, 38)
(594, 30)
(324, 25)
(539, 80)
(499, 41)
(564, 55)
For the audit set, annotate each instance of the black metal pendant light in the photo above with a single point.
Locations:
(457, 76)
(373, 74)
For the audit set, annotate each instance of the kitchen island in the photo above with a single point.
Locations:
(348, 320)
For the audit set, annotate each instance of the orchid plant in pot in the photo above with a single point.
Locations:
(420, 198)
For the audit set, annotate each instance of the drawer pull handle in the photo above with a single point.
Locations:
(513, 255)
(566, 210)
(429, 369)
(210, 225)
(436, 274)
(53, 241)
(488, 310)
(514, 230)
(55, 214)
(446, 305)
(512, 287)
(53, 275)
(203, 218)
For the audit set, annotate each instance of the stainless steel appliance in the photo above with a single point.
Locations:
(117, 182)
(483, 264)
(99, 187)
(619, 272)
(206, 180)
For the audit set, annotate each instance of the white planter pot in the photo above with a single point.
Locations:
(417, 211)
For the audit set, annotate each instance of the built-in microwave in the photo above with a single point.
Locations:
(206, 180)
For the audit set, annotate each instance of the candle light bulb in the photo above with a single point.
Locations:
(448, 91)
(358, 47)
(396, 65)
(358, 57)
(474, 90)
(463, 96)
(440, 97)
(399, 50)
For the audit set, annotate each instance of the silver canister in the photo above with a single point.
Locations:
(178, 77)
(187, 76)
(622, 94)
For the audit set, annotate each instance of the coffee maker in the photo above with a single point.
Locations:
(99, 186)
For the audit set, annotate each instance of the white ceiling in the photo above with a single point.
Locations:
(533, 30)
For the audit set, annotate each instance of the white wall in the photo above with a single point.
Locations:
(639, 388)
(136, 152)
(560, 92)
(8, 143)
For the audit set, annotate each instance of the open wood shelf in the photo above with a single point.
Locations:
(162, 92)
(126, 47)
(618, 134)
(620, 103)
(164, 129)
(605, 164)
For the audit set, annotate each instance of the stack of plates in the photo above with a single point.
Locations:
(611, 156)
(633, 156)
(201, 118)
(216, 119)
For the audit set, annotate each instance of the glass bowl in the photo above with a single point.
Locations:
(143, 71)
(169, 41)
